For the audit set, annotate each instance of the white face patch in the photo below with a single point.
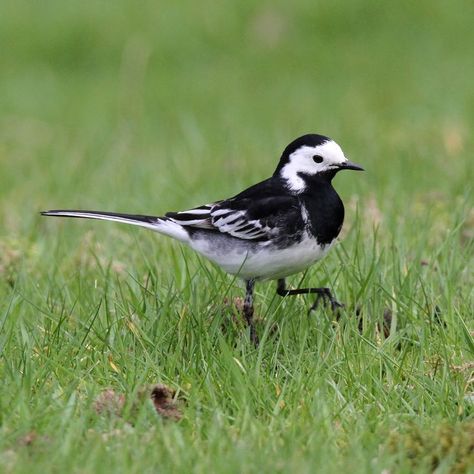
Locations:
(301, 161)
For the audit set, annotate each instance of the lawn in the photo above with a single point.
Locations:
(144, 108)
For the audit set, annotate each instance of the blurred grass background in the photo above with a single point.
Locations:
(154, 106)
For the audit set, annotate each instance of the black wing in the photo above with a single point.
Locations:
(261, 212)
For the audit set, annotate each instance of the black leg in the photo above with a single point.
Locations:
(322, 293)
(248, 310)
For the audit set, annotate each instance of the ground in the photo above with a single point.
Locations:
(146, 108)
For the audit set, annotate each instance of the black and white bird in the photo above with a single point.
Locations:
(271, 230)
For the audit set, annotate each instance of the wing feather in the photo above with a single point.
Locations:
(245, 216)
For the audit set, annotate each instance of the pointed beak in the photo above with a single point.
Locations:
(348, 165)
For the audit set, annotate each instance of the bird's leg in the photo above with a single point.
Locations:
(324, 293)
(248, 310)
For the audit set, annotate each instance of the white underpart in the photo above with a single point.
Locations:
(301, 161)
(171, 229)
(265, 261)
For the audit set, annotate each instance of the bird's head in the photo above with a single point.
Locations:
(311, 156)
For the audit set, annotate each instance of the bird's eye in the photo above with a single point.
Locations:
(317, 158)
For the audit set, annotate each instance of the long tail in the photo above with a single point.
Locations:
(163, 225)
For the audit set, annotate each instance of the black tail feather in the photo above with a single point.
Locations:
(79, 214)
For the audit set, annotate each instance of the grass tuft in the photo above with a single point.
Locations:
(148, 110)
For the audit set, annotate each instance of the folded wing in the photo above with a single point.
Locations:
(244, 218)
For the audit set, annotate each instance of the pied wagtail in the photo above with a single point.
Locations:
(271, 230)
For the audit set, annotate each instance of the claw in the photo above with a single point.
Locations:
(336, 305)
(315, 305)
(327, 297)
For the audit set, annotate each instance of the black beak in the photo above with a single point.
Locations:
(348, 165)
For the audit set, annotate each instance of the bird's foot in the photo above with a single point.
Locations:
(327, 297)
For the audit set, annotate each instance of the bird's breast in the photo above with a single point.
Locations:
(261, 260)
(324, 215)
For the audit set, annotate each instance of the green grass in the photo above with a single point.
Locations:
(146, 108)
